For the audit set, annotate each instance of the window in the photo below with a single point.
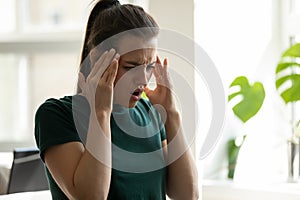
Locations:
(243, 43)
(7, 12)
(53, 15)
(40, 44)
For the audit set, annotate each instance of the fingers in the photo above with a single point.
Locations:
(148, 91)
(112, 75)
(166, 72)
(81, 80)
(99, 65)
(104, 64)
(165, 62)
(111, 72)
(156, 69)
(158, 60)
(94, 57)
(161, 70)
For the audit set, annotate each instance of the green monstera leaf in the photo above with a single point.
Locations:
(287, 66)
(293, 51)
(252, 98)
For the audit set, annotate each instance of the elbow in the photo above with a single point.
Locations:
(190, 192)
(195, 194)
(187, 193)
(92, 196)
(88, 193)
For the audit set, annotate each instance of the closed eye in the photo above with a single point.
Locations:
(128, 67)
(150, 67)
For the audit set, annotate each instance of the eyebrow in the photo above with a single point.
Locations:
(138, 64)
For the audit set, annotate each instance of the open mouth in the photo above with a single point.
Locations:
(136, 95)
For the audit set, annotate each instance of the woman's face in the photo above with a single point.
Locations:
(134, 72)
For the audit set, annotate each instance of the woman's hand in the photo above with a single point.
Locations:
(162, 94)
(98, 86)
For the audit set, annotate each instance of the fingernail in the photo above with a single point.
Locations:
(93, 53)
(117, 56)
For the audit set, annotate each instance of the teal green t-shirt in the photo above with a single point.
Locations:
(138, 171)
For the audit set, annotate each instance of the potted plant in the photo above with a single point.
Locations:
(287, 73)
(288, 85)
(252, 99)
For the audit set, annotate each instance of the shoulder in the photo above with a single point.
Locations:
(54, 106)
(54, 123)
(53, 103)
(63, 106)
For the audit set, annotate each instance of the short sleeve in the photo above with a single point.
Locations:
(163, 134)
(54, 125)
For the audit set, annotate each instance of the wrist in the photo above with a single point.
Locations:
(173, 112)
(99, 116)
(103, 115)
(173, 116)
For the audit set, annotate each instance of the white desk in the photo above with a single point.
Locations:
(6, 159)
(39, 195)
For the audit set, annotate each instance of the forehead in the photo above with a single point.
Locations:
(140, 56)
(130, 44)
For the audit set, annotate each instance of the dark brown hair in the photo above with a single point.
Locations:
(108, 18)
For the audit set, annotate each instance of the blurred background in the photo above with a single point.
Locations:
(40, 44)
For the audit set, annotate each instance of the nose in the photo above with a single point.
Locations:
(142, 76)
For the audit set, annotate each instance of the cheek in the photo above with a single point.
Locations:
(149, 75)
(121, 77)
(118, 76)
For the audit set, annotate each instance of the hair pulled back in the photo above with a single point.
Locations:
(108, 18)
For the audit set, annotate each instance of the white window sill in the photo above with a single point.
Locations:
(227, 190)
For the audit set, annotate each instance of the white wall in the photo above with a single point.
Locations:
(177, 15)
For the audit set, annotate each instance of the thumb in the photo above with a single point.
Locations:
(148, 91)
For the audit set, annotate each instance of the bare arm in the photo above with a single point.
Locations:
(77, 172)
(85, 172)
(182, 180)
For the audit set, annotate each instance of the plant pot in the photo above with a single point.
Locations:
(233, 149)
(293, 160)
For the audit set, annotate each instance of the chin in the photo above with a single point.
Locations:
(132, 104)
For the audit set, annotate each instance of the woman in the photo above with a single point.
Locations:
(96, 144)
